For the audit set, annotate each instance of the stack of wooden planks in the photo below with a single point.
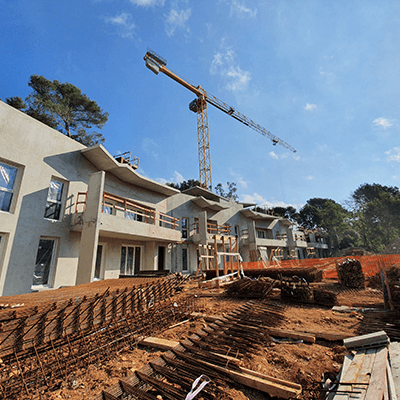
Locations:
(372, 373)
(350, 274)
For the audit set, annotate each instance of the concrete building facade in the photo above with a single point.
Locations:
(71, 214)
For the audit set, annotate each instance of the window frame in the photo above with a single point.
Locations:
(102, 261)
(134, 246)
(53, 263)
(185, 249)
(16, 185)
(185, 227)
(60, 202)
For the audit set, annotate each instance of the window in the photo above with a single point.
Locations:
(185, 263)
(130, 260)
(7, 183)
(44, 261)
(196, 225)
(129, 214)
(261, 234)
(99, 262)
(54, 200)
(236, 231)
(185, 226)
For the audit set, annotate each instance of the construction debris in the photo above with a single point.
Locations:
(372, 374)
(51, 340)
(250, 288)
(325, 297)
(295, 289)
(350, 274)
(208, 353)
(371, 340)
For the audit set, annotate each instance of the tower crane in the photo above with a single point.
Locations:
(199, 105)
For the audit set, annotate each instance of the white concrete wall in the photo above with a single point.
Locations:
(40, 153)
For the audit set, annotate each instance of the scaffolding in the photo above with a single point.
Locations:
(222, 247)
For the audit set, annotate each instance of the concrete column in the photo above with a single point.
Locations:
(90, 230)
(150, 256)
(203, 227)
(251, 225)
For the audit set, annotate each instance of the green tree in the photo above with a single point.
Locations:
(377, 211)
(185, 184)
(286, 212)
(64, 107)
(16, 102)
(230, 194)
(329, 216)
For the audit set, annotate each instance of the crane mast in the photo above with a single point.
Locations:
(199, 105)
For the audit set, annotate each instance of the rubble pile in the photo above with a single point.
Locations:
(350, 274)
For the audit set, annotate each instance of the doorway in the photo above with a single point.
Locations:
(161, 258)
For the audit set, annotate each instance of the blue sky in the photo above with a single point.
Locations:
(321, 75)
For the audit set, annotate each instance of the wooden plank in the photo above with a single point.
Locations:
(331, 336)
(394, 359)
(354, 368)
(264, 383)
(378, 376)
(283, 333)
(346, 363)
(391, 386)
(158, 343)
(366, 340)
(364, 374)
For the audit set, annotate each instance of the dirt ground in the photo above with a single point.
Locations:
(300, 363)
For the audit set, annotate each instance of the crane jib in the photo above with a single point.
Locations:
(158, 64)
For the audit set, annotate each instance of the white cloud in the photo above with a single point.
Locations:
(176, 178)
(310, 107)
(383, 122)
(273, 155)
(310, 178)
(242, 182)
(225, 65)
(150, 147)
(240, 9)
(261, 201)
(123, 22)
(176, 19)
(394, 154)
(147, 3)
(239, 78)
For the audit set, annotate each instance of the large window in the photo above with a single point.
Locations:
(44, 261)
(130, 260)
(7, 183)
(54, 200)
(185, 227)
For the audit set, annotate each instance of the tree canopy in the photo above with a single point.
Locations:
(64, 107)
(184, 185)
(377, 214)
(230, 194)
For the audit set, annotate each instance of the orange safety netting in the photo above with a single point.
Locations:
(370, 264)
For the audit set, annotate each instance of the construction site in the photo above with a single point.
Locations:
(311, 329)
(114, 286)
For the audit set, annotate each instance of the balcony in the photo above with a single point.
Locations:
(125, 219)
(212, 229)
